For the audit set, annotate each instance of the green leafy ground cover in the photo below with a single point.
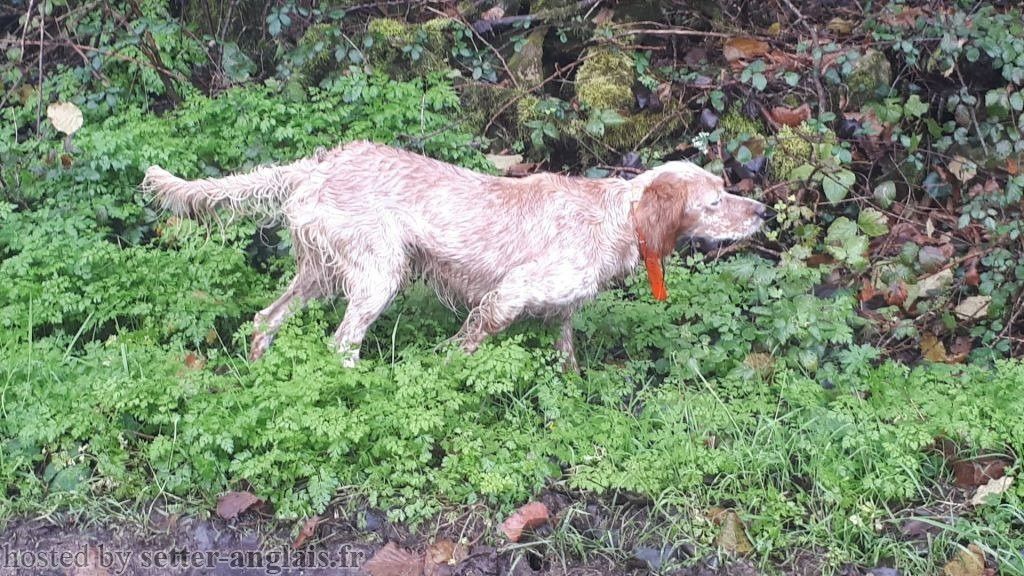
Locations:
(123, 335)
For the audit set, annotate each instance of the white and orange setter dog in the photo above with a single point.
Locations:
(365, 218)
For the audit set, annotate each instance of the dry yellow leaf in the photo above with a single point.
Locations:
(65, 117)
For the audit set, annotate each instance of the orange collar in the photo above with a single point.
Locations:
(655, 272)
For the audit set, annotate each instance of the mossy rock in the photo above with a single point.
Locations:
(527, 65)
(736, 125)
(605, 79)
(481, 101)
(391, 38)
(644, 127)
(870, 76)
(797, 146)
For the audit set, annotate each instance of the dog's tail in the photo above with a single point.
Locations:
(261, 191)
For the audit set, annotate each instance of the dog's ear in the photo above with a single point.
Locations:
(660, 215)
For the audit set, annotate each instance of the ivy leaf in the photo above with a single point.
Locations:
(846, 244)
(837, 185)
(802, 172)
(885, 193)
(872, 222)
(238, 67)
(915, 107)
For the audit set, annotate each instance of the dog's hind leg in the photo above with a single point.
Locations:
(269, 320)
(369, 294)
(565, 344)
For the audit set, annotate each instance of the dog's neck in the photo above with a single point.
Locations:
(651, 259)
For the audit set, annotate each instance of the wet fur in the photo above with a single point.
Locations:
(367, 218)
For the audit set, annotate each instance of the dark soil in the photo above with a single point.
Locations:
(255, 544)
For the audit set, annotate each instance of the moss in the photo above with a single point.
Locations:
(795, 147)
(646, 127)
(735, 124)
(481, 101)
(605, 80)
(391, 37)
(871, 73)
(388, 30)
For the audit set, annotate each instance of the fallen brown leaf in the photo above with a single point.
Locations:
(744, 48)
(896, 295)
(841, 26)
(527, 517)
(194, 361)
(994, 486)
(932, 349)
(786, 116)
(495, 13)
(732, 537)
(231, 504)
(969, 561)
(978, 471)
(307, 531)
(971, 275)
(442, 557)
(394, 561)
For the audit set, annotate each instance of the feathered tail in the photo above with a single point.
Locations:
(261, 191)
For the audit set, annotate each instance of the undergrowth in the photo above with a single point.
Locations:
(123, 337)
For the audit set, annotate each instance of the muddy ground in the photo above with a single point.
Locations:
(255, 545)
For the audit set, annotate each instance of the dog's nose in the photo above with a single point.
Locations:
(766, 213)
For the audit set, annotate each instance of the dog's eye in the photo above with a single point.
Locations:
(716, 201)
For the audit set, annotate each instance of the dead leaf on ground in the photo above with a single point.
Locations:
(522, 169)
(972, 307)
(495, 13)
(971, 276)
(962, 168)
(442, 557)
(994, 486)
(231, 504)
(896, 295)
(528, 516)
(732, 537)
(840, 26)
(744, 48)
(394, 561)
(307, 531)
(978, 471)
(932, 349)
(504, 161)
(194, 361)
(786, 116)
(65, 117)
(969, 561)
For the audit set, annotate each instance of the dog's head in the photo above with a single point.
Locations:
(682, 200)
